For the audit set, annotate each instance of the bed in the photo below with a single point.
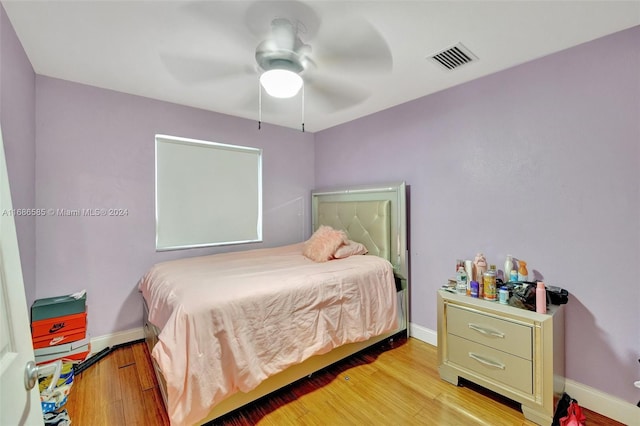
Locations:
(222, 339)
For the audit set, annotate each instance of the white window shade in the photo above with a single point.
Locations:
(207, 193)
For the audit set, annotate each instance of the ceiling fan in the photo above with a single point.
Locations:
(293, 46)
(282, 58)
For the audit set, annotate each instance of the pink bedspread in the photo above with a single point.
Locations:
(229, 321)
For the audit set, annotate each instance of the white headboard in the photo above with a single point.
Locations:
(375, 216)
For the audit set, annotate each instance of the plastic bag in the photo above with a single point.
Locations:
(55, 388)
(561, 409)
(574, 417)
(524, 296)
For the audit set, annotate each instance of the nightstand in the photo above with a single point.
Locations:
(514, 352)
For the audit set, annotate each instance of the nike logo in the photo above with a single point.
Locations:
(56, 340)
(56, 327)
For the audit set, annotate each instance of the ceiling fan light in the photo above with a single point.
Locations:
(281, 83)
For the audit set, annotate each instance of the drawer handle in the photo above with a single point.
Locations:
(486, 331)
(486, 361)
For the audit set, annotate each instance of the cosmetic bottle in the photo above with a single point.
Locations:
(503, 295)
(468, 268)
(490, 284)
(474, 289)
(508, 267)
(541, 298)
(480, 267)
(523, 273)
(461, 281)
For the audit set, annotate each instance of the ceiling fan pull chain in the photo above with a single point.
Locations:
(303, 107)
(259, 105)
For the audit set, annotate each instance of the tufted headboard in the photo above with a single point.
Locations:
(372, 215)
(366, 222)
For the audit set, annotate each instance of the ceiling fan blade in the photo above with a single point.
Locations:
(222, 17)
(195, 70)
(352, 45)
(332, 94)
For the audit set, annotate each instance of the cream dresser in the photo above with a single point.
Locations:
(514, 352)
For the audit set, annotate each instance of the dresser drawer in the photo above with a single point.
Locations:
(504, 335)
(508, 369)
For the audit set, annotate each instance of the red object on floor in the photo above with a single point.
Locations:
(59, 330)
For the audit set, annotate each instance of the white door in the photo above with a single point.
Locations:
(18, 406)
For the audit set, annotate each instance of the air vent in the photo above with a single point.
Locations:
(454, 57)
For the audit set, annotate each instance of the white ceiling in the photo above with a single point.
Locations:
(201, 54)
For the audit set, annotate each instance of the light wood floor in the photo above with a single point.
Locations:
(396, 385)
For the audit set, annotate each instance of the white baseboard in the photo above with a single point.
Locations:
(118, 338)
(424, 334)
(602, 403)
(588, 397)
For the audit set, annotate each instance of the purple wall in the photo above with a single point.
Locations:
(17, 117)
(95, 149)
(541, 161)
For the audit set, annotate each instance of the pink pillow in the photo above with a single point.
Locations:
(323, 244)
(350, 249)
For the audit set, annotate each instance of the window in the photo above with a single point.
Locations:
(207, 193)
